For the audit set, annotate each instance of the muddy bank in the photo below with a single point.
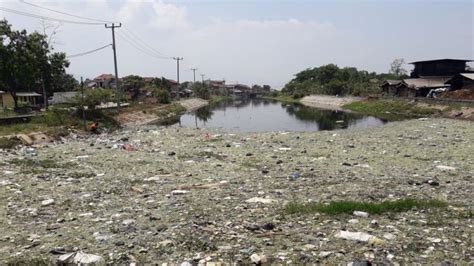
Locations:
(185, 195)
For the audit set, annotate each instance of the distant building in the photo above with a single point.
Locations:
(427, 76)
(438, 67)
(105, 81)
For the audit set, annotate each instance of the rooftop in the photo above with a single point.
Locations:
(445, 59)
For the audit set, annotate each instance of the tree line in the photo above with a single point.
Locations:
(333, 80)
(28, 63)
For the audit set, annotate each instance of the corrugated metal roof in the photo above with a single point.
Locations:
(426, 82)
(392, 81)
(468, 75)
(445, 59)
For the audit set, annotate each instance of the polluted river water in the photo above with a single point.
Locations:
(260, 115)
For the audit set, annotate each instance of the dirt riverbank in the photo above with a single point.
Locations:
(178, 195)
(328, 102)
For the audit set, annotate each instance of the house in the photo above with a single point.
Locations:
(64, 97)
(462, 81)
(217, 86)
(438, 67)
(420, 87)
(105, 81)
(28, 98)
(389, 87)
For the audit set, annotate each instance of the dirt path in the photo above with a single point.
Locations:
(328, 102)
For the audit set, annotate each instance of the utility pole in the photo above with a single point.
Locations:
(202, 77)
(177, 69)
(117, 85)
(194, 73)
(82, 105)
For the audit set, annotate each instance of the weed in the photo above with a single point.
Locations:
(390, 109)
(9, 143)
(36, 261)
(340, 207)
(47, 163)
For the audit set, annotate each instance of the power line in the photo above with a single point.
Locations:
(144, 43)
(142, 47)
(89, 52)
(64, 13)
(47, 18)
(131, 42)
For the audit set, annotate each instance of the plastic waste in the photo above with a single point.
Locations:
(31, 151)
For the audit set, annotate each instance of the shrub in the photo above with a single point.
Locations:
(163, 96)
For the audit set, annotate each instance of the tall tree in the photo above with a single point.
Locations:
(28, 63)
(396, 68)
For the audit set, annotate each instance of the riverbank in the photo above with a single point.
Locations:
(391, 109)
(328, 102)
(154, 194)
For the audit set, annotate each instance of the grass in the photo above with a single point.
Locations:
(283, 98)
(390, 109)
(218, 98)
(348, 207)
(47, 163)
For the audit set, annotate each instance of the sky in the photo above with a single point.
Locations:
(250, 41)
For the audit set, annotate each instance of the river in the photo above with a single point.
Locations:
(260, 115)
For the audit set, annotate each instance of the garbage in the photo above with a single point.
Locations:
(356, 236)
(360, 214)
(259, 200)
(210, 202)
(47, 202)
(31, 151)
(79, 258)
(179, 192)
(295, 176)
(445, 168)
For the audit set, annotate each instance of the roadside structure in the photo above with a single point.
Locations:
(29, 98)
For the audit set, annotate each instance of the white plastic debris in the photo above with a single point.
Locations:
(445, 168)
(80, 258)
(259, 200)
(179, 192)
(355, 236)
(360, 214)
(47, 202)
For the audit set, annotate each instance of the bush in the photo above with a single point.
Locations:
(93, 97)
(163, 96)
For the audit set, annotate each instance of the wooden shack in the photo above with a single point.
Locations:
(462, 81)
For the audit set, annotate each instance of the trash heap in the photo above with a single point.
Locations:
(206, 196)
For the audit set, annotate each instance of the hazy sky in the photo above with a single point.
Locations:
(256, 42)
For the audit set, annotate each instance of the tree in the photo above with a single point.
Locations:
(163, 96)
(92, 98)
(396, 68)
(201, 91)
(133, 84)
(28, 62)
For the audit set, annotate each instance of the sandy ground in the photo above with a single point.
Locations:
(154, 194)
(328, 102)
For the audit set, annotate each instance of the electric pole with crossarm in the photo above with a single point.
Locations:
(177, 69)
(117, 85)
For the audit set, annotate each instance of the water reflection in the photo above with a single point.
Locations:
(257, 115)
